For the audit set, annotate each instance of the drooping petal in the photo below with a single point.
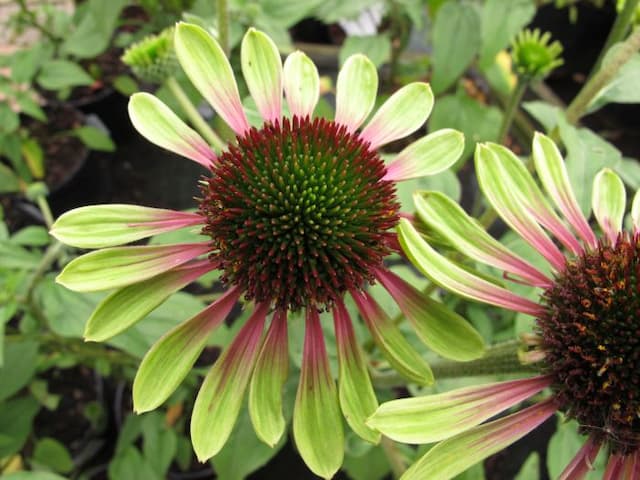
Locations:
(262, 70)
(583, 461)
(432, 418)
(171, 358)
(455, 455)
(428, 156)
(317, 422)
(401, 115)
(222, 393)
(441, 329)
(614, 468)
(448, 275)
(635, 212)
(265, 391)
(608, 203)
(452, 222)
(207, 67)
(396, 349)
(507, 203)
(99, 226)
(553, 175)
(157, 123)
(130, 304)
(120, 266)
(301, 84)
(356, 90)
(357, 398)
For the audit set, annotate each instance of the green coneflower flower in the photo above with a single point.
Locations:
(588, 319)
(153, 59)
(534, 55)
(299, 213)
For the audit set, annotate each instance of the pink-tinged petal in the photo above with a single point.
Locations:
(356, 90)
(614, 468)
(209, 70)
(401, 115)
(158, 124)
(428, 156)
(629, 468)
(432, 418)
(262, 70)
(396, 349)
(130, 304)
(222, 393)
(608, 203)
(553, 176)
(454, 455)
(491, 173)
(267, 381)
(171, 358)
(583, 461)
(449, 219)
(635, 212)
(99, 226)
(301, 84)
(357, 398)
(450, 276)
(317, 422)
(121, 266)
(441, 329)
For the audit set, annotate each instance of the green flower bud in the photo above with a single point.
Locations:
(534, 55)
(153, 59)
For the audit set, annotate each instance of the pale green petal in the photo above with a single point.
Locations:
(609, 201)
(356, 90)
(301, 84)
(635, 211)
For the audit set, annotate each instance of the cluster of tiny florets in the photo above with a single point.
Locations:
(591, 337)
(298, 212)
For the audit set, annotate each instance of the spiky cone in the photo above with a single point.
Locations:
(534, 55)
(153, 59)
(586, 342)
(299, 212)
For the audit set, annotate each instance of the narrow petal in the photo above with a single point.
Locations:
(608, 203)
(442, 330)
(158, 124)
(455, 455)
(317, 422)
(614, 468)
(357, 398)
(452, 222)
(428, 156)
(222, 393)
(396, 349)
(99, 226)
(301, 84)
(553, 175)
(507, 203)
(120, 266)
(130, 304)
(265, 391)
(401, 115)
(583, 461)
(171, 358)
(433, 418)
(356, 90)
(262, 70)
(635, 212)
(207, 67)
(448, 275)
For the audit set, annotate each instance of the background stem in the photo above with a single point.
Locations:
(223, 25)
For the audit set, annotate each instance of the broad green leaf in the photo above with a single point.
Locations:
(19, 367)
(130, 464)
(32, 236)
(9, 120)
(9, 181)
(564, 444)
(456, 40)
(530, 468)
(623, 87)
(59, 74)
(373, 465)
(94, 138)
(545, 113)
(376, 48)
(16, 417)
(32, 475)
(50, 453)
(501, 21)
(159, 443)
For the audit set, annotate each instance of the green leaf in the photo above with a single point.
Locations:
(34, 157)
(20, 361)
(373, 465)
(9, 120)
(543, 112)
(126, 85)
(51, 453)
(530, 468)
(9, 181)
(375, 47)
(32, 236)
(563, 446)
(456, 40)
(16, 417)
(159, 443)
(59, 74)
(501, 21)
(130, 464)
(94, 138)
(623, 88)
(27, 475)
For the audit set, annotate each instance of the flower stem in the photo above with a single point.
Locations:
(223, 25)
(394, 456)
(604, 75)
(192, 113)
(45, 209)
(618, 31)
(511, 108)
(50, 256)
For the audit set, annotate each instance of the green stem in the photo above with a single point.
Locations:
(192, 113)
(511, 108)
(223, 25)
(45, 209)
(618, 31)
(394, 456)
(623, 53)
(50, 256)
(501, 359)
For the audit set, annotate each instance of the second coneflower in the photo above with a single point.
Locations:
(299, 212)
